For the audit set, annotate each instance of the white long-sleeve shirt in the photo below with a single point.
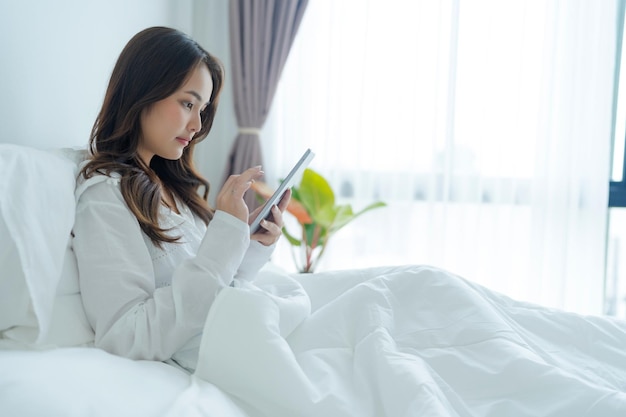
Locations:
(145, 302)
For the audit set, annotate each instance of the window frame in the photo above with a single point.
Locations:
(617, 193)
(617, 189)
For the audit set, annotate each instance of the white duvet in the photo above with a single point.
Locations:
(404, 341)
(383, 342)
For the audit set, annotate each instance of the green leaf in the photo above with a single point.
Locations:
(325, 215)
(292, 240)
(309, 230)
(371, 207)
(315, 234)
(345, 214)
(314, 192)
(318, 199)
(295, 194)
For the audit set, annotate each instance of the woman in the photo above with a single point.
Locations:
(151, 252)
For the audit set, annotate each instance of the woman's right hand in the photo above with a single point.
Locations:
(230, 198)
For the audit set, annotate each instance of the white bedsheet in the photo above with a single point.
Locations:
(88, 382)
(73, 382)
(382, 342)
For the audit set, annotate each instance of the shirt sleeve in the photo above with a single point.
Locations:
(129, 315)
(255, 258)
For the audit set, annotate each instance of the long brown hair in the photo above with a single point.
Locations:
(154, 64)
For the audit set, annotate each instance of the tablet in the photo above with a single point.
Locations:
(293, 175)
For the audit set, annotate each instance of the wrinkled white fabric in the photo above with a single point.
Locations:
(146, 302)
(407, 341)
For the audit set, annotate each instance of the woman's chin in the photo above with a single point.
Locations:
(172, 156)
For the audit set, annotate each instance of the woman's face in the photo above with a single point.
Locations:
(169, 125)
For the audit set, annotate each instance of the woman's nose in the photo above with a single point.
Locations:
(195, 123)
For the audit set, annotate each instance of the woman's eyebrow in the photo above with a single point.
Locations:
(196, 95)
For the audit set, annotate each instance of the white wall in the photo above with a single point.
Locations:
(57, 57)
(210, 29)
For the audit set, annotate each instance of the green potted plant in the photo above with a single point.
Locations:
(319, 217)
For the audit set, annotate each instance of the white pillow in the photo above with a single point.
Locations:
(68, 325)
(37, 210)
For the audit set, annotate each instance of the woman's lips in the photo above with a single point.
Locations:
(183, 141)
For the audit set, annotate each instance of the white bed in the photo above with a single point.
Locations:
(389, 341)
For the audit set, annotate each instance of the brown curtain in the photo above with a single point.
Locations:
(261, 35)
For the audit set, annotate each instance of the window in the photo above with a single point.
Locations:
(617, 197)
(616, 248)
(484, 125)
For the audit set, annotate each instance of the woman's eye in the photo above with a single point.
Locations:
(188, 105)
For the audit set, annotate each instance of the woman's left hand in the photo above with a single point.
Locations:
(271, 228)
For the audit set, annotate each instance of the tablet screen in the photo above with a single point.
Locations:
(293, 175)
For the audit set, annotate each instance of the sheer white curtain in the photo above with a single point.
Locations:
(485, 125)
